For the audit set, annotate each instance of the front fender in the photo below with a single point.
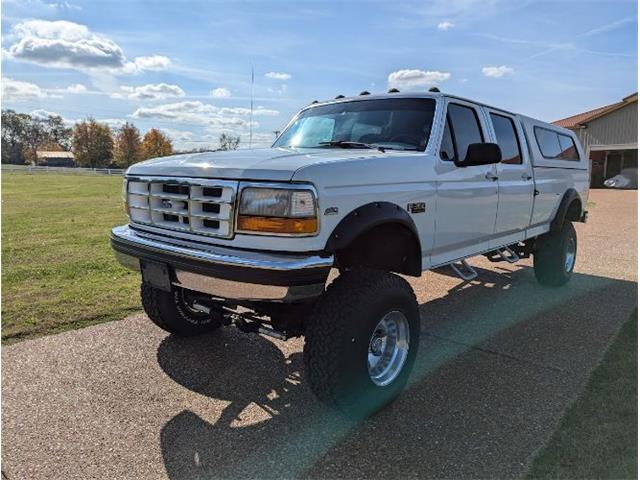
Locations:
(365, 218)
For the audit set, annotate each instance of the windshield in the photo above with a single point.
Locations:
(394, 123)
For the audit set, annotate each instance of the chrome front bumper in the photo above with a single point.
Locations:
(225, 273)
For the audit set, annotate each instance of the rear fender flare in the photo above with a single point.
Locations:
(568, 198)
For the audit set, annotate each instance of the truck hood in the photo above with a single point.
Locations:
(275, 164)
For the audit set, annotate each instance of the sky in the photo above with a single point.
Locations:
(185, 66)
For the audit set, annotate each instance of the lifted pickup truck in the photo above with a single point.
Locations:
(372, 186)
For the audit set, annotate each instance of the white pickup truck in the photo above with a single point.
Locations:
(372, 186)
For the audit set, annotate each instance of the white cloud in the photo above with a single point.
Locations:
(220, 92)
(178, 135)
(152, 63)
(15, 90)
(113, 123)
(42, 114)
(196, 112)
(159, 91)
(64, 44)
(497, 72)
(32, 6)
(455, 8)
(280, 90)
(60, 29)
(278, 76)
(446, 25)
(76, 88)
(416, 78)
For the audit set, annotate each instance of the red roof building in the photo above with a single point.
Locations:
(609, 136)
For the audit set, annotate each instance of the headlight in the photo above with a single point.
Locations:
(278, 211)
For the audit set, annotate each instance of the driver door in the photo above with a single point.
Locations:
(466, 197)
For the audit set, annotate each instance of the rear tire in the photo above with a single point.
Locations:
(555, 256)
(171, 312)
(364, 319)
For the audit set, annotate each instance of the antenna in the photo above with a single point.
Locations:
(251, 112)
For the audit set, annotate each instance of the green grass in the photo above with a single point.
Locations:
(58, 271)
(598, 436)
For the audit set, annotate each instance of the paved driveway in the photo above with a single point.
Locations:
(500, 361)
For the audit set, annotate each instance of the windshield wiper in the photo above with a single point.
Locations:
(349, 144)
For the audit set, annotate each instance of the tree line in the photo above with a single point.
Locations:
(93, 144)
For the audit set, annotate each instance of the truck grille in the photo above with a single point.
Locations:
(198, 206)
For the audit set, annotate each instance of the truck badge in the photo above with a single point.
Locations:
(419, 207)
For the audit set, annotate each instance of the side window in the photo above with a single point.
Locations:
(548, 142)
(464, 129)
(568, 147)
(556, 146)
(507, 139)
(447, 152)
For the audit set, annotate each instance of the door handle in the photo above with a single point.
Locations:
(491, 176)
(526, 176)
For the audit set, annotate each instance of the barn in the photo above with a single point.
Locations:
(55, 159)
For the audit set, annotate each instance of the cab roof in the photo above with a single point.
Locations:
(383, 96)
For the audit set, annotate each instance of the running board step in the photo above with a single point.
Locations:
(463, 270)
(508, 254)
(505, 254)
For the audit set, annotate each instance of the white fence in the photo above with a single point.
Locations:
(8, 168)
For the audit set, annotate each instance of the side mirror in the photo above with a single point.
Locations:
(481, 154)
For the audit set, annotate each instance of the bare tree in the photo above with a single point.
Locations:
(229, 142)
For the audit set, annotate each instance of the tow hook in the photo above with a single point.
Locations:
(244, 322)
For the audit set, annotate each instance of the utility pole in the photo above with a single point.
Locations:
(251, 112)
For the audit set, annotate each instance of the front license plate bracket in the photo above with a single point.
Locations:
(156, 274)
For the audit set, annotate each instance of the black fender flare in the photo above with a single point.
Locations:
(365, 218)
(569, 196)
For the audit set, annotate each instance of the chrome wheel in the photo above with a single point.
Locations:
(570, 255)
(388, 348)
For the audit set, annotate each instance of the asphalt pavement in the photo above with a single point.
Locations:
(500, 360)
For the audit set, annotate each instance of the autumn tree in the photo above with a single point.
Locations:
(229, 142)
(92, 144)
(128, 147)
(35, 134)
(156, 144)
(57, 133)
(23, 135)
(14, 127)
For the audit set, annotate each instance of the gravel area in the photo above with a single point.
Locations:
(501, 359)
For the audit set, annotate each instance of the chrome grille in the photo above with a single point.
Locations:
(198, 206)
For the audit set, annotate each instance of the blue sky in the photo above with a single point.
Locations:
(185, 66)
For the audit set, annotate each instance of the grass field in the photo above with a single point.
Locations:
(58, 271)
(598, 436)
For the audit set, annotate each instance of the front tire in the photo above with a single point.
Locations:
(555, 256)
(172, 312)
(361, 341)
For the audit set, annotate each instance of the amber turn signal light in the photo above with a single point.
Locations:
(294, 226)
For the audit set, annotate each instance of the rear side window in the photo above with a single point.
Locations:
(555, 145)
(463, 129)
(568, 147)
(507, 139)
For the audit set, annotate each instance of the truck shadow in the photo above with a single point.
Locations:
(273, 427)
